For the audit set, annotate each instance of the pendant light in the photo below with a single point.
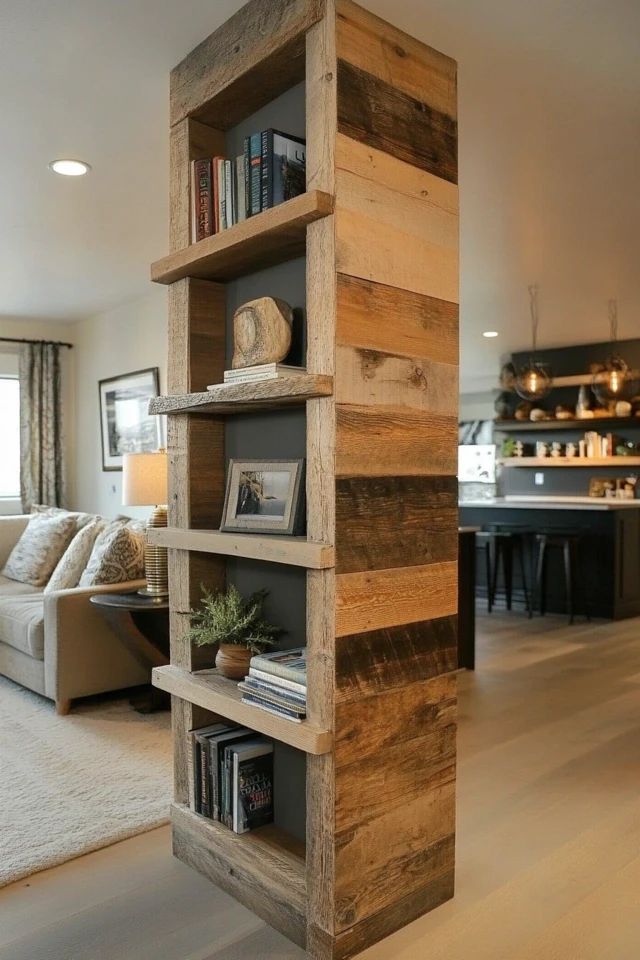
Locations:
(533, 381)
(613, 382)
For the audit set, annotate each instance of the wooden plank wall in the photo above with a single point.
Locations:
(396, 370)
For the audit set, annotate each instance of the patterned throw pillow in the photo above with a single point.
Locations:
(37, 552)
(81, 518)
(117, 556)
(76, 557)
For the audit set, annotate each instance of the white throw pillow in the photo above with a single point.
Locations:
(81, 518)
(76, 557)
(117, 556)
(37, 552)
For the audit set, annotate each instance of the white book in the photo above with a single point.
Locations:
(263, 368)
(283, 682)
(241, 205)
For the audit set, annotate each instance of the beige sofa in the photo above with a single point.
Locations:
(58, 644)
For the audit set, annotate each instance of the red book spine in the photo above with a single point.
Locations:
(203, 199)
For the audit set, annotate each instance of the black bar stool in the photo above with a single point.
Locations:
(568, 541)
(506, 543)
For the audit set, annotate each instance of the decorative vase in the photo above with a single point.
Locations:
(232, 661)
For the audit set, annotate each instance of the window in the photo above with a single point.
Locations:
(9, 437)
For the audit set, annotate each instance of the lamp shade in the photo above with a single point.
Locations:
(144, 479)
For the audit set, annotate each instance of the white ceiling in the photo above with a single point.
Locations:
(548, 112)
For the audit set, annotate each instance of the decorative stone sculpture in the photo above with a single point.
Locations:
(261, 332)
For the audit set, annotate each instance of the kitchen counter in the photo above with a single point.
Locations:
(553, 503)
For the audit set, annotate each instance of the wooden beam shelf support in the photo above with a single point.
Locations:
(295, 551)
(247, 397)
(212, 692)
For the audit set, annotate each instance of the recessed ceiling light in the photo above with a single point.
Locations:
(490, 334)
(69, 168)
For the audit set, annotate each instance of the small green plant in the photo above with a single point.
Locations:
(229, 618)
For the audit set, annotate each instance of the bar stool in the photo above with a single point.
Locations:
(505, 542)
(568, 541)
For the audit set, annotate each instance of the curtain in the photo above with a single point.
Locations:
(41, 461)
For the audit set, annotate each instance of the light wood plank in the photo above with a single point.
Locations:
(385, 441)
(207, 689)
(246, 397)
(271, 237)
(386, 598)
(295, 551)
(379, 48)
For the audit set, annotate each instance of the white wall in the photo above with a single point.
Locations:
(46, 330)
(131, 337)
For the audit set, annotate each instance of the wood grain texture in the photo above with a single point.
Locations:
(188, 140)
(380, 115)
(209, 690)
(374, 316)
(386, 598)
(379, 48)
(196, 333)
(271, 237)
(261, 873)
(295, 551)
(384, 522)
(254, 56)
(388, 659)
(368, 377)
(225, 400)
(391, 441)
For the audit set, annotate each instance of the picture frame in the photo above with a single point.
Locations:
(264, 496)
(125, 423)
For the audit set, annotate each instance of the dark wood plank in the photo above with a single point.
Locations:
(391, 441)
(384, 522)
(389, 659)
(254, 56)
(373, 724)
(375, 113)
(379, 317)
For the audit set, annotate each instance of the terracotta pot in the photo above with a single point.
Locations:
(232, 661)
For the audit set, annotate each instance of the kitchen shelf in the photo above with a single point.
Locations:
(264, 869)
(209, 690)
(520, 426)
(268, 238)
(247, 397)
(570, 462)
(295, 551)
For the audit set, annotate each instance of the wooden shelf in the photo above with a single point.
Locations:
(207, 689)
(264, 869)
(294, 551)
(247, 397)
(570, 462)
(520, 426)
(270, 237)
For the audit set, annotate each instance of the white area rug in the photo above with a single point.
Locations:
(73, 784)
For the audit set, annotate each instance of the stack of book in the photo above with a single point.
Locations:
(258, 374)
(277, 683)
(233, 776)
(226, 191)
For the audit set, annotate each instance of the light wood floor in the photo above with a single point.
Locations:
(548, 833)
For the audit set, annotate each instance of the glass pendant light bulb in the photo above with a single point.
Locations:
(614, 381)
(533, 382)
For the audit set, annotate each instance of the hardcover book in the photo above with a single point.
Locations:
(290, 664)
(300, 688)
(266, 698)
(277, 711)
(202, 199)
(217, 745)
(252, 800)
(283, 166)
(201, 771)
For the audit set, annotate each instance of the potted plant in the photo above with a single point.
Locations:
(236, 625)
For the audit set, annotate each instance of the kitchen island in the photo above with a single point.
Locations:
(608, 577)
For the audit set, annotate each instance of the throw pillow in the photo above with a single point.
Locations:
(117, 556)
(37, 552)
(75, 558)
(81, 518)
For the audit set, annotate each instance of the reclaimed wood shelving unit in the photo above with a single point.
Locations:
(379, 228)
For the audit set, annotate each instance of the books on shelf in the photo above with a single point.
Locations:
(225, 191)
(258, 374)
(277, 683)
(233, 776)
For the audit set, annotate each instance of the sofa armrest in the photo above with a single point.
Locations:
(82, 654)
(11, 529)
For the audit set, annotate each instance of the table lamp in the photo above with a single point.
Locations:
(144, 483)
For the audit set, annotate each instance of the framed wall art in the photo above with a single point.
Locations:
(125, 424)
(264, 496)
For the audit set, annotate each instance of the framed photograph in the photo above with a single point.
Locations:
(264, 496)
(125, 423)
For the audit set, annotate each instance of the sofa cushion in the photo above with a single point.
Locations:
(37, 552)
(82, 519)
(75, 558)
(22, 624)
(117, 556)
(12, 588)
